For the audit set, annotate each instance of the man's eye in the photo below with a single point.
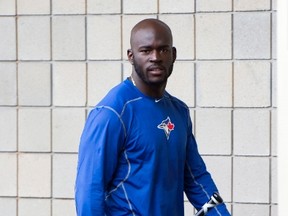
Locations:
(145, 51)
(164, 50)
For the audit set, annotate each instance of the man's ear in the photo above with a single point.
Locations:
(130, 56)
(174, 53)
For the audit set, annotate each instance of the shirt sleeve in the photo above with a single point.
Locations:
(199, 185)
(100, 145)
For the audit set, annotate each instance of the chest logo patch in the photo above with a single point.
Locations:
(167, 126)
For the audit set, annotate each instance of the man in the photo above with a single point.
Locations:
(137, 152)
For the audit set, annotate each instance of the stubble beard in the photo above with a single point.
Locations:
(145, 79)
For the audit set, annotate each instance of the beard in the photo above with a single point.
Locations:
(144, 76)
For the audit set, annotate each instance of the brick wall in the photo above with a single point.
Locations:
(58, 58)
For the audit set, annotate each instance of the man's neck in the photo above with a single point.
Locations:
(154, 91)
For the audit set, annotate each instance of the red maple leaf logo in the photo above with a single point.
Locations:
(170, 126)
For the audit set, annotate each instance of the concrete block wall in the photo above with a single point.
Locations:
(58, 58)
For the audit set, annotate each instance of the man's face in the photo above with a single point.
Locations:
(152, 55)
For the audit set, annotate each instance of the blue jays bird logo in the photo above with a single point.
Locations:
(167, 126)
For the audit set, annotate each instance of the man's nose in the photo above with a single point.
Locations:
(155, 56)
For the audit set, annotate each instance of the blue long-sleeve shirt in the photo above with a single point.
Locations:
(137, 156)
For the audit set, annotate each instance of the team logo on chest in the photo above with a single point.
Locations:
(167, 126)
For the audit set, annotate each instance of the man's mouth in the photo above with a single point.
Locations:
(156, 69)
